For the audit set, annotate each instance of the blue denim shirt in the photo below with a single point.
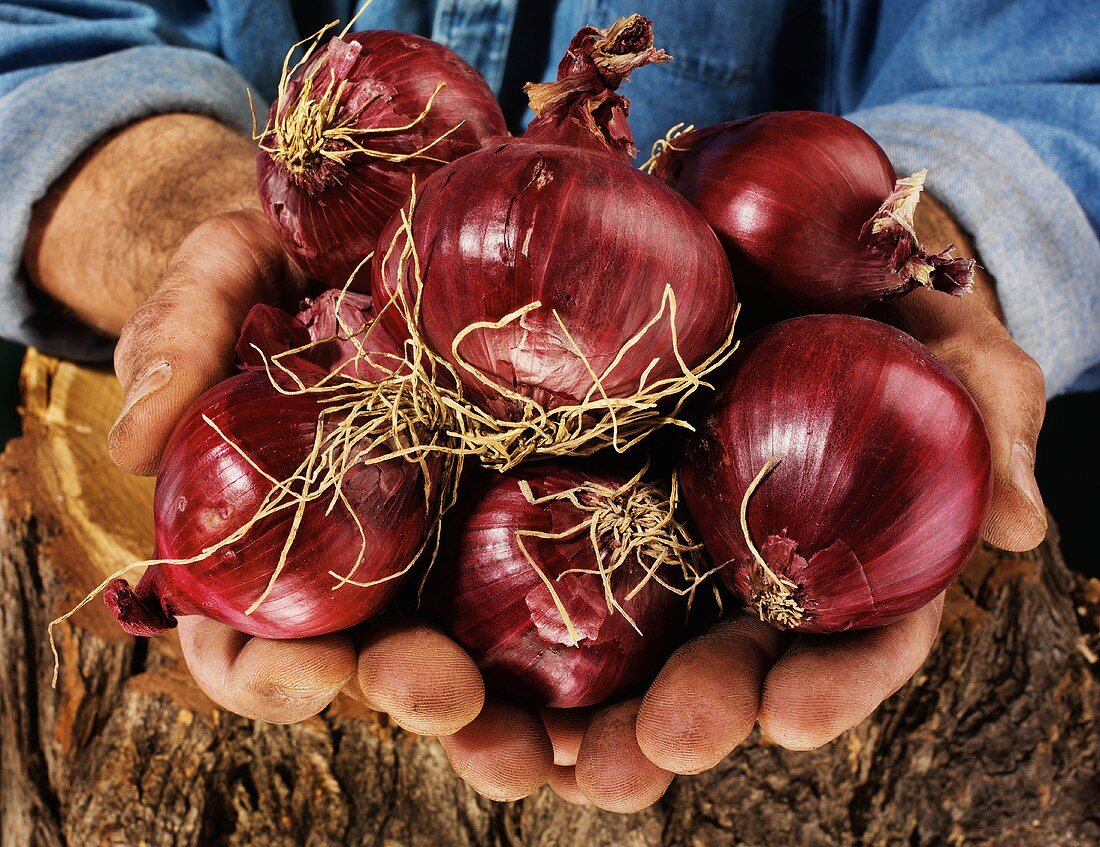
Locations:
(997, 98)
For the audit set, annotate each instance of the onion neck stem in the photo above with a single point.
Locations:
(774, 596)
(890, 234)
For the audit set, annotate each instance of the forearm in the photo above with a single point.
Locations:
(100, 238)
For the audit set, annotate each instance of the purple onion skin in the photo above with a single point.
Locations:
(580, 232)
(355, 345)
(330, 221)
(488, 597)
(883, 480)
(205, 491)
(326, 346)
(269, 331)
(788, 193)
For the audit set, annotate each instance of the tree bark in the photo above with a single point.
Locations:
(996, 741)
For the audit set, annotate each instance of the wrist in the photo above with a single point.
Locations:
(102, 235)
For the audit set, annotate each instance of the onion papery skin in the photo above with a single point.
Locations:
(329, 214)
(789, 194)
(588, 237)
(487, 596)
(335, 336)
(206, 490)
(349, 340)
(883, 476)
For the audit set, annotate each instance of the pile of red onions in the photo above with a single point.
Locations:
(861, 464)
(355, 122)
(552, 275)
(807, 207)
(520, 584)
(539, 296)
(307, 567)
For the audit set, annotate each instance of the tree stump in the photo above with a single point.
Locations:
(996, 742)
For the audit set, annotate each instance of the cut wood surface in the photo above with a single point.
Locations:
(996, 741)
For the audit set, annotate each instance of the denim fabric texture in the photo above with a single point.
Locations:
(998, 98)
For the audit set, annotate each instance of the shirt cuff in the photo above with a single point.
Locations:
(49, 120)
(1029, 229)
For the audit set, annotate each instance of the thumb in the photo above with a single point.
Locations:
(967, 334)
(181, 340)
(1009, 390)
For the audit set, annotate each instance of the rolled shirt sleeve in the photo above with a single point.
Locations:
(999, 101)
(49, 119)
(1028, 226)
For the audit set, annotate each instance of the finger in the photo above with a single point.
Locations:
(1009, 390)
(826, 684)
(563, 782)
(273, 681)
(706, 698)
(566, 729)
(181, 340)
(504, 753)
(421, 678)
(612, 771)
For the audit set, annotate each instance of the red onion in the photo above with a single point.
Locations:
(520, 584)
(807, 208)
(335, 334)
(258, 523)
(879, 475)
(549, 273)
(353, 124)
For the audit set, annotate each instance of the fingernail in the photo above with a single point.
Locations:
(1022, 470)
(153, 379)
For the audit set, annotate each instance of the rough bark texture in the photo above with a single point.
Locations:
(996, 742)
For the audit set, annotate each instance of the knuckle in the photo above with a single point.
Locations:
(141, 336)
(958, 357)
(973, 357)
(233, 259)
(974, 351)
(144, 320)
(243, 245)
(265, 699)
(1032, 379)
(236, 228)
